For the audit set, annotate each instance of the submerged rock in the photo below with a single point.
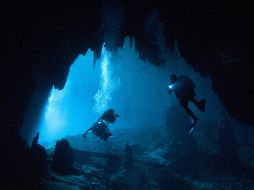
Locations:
(168, 180)
(55, 181)
(63, 157)
(119, 180)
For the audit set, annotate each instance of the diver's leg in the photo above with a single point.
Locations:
(200, 104)
(184, 104)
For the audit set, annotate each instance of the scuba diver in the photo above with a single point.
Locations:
(100, 127)
(183, 87)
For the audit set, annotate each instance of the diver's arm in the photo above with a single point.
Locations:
(84, 135)
(100, 119)
(169, 91)
(170, 88)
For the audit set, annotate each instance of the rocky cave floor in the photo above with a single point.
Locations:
(156, 164)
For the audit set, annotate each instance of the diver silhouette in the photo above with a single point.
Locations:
(184, 89)
(100, 127)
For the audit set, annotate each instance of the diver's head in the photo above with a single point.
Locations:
(173, 77)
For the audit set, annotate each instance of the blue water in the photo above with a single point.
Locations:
(134, 88)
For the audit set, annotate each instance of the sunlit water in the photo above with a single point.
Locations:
(134, 88)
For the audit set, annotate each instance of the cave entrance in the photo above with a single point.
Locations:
(134, 88)
(86, 94)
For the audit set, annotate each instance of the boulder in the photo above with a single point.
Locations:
(63, 157)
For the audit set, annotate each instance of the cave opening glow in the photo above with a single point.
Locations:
(136, 89)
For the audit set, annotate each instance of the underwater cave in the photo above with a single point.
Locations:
(64, 66)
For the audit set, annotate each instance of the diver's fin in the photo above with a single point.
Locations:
(191, 130)
(192, 126)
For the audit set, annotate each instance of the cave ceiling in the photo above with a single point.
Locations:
(40, 41)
